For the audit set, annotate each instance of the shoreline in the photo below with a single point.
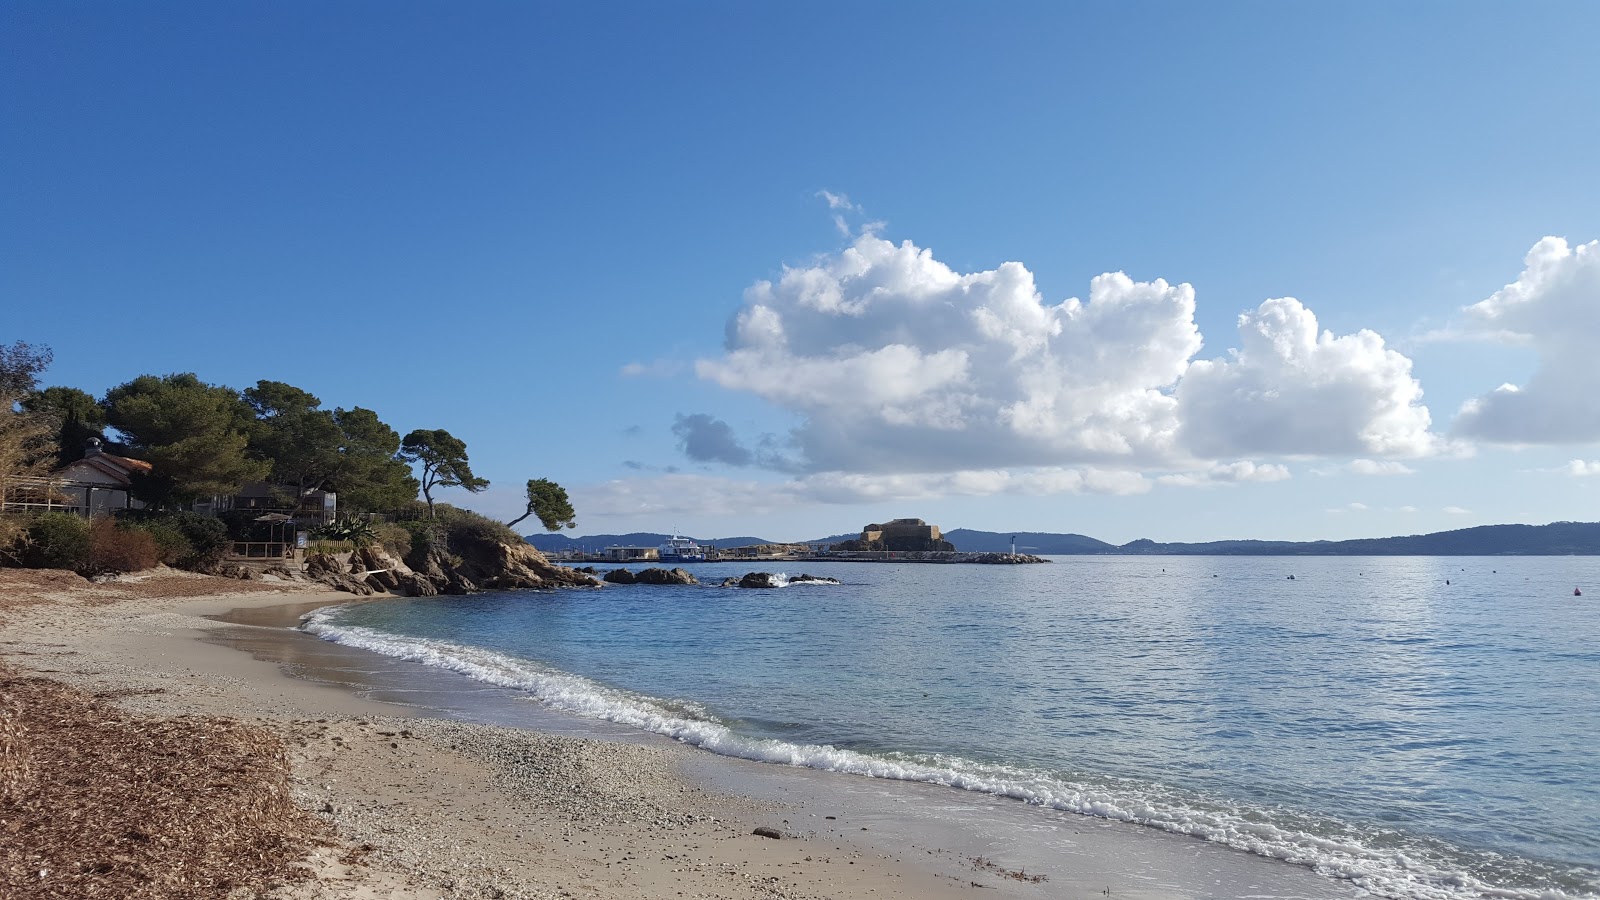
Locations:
(557, 806)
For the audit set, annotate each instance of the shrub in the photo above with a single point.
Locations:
(325, 548)
(114, 550)
(55, 541)
(207, 538)
(11, 535)
(393, 538)
(171, 545)
(360, 532)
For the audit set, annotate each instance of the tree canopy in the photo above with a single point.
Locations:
(76, 416)
(549, 502)
(25, 445)
(444, 462)
(371, 476)
(294, 435)
(195, 436)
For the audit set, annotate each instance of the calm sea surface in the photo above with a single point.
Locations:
(1366, 718)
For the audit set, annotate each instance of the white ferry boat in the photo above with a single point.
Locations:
(682, 549)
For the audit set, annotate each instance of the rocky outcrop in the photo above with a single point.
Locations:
(470, 565)
(650, 576)
(768, 580)
(803, 578)
(666, 576)
(329, 570)
(474, 563)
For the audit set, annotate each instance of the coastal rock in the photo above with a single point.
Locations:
(377, 568)
(621, 576)
(665, 576)
(328, 570)
(766, 832)
(812, 579)
(472, 563)
(758, 580)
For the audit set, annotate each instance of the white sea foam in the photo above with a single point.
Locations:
(1408, 872)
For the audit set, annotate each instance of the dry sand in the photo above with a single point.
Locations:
(428, 808)
(414, 804)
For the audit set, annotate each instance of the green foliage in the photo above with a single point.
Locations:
(358, 532)
(549, 502)
(393, 538)
(207, 538)
(194, 435)
(444, 462)
(298, 440)
(370, 477)
(114, 550)
(171, 545)
(20, 365)
(55, 541)
(76, 415)
(26, 444)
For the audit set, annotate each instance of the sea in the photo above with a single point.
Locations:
(1419, 727)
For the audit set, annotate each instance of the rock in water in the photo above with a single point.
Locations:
(813, 579)
(758, 580)
(621, 576)
(664, 576)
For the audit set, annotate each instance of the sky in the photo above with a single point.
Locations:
(1132, 270)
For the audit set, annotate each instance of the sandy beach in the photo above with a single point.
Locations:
(419, 805)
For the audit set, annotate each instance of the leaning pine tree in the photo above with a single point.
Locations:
(444, 462)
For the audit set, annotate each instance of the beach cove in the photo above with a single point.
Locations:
(424, 805)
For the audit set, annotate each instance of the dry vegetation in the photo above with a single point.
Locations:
(26, 587)
(97, 802)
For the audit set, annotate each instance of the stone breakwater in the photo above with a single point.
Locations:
(927, 556)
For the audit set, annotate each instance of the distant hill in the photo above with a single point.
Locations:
(1555, 539)
(1039, 543)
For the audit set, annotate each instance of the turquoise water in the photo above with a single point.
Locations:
(1364, 719)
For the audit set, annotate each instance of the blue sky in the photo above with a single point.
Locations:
(546, 227)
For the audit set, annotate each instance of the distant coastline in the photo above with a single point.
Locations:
(1554, 539)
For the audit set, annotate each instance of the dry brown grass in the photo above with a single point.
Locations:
(26, 587)
(96, 802)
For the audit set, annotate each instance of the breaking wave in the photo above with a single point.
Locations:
(1383, 862)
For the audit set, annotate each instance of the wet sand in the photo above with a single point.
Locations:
(443, 787)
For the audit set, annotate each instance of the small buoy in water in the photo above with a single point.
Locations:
(1577, 593)
(1291, 577)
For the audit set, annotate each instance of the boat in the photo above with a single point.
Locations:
(682, 549)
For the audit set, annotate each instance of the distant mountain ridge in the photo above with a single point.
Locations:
(1554, 539)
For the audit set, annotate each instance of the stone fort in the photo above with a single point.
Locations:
(899, 535)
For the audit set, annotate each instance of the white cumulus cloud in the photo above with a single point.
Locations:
(1368, 467)
(1227, 473)
(1553, 307)
(893, 361)
(1291, 389)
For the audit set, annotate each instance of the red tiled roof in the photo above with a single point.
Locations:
(118, 467)
(132, 465)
